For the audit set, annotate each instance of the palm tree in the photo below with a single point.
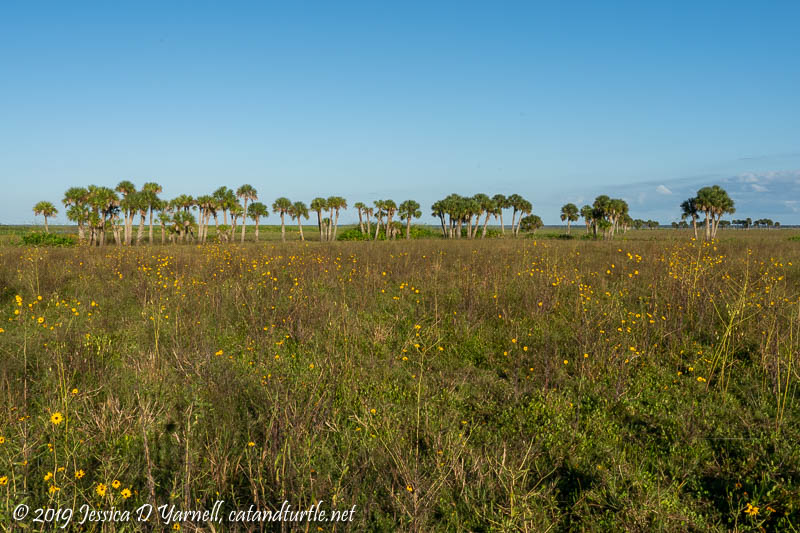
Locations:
(299, 210)
(440, 211)
(569, 212)
(205, 205)
(502, 203)
(689, 209)
(525, 208)
(225, 198)
(256, 210)
(246, 192)
(408, 210)
(588, 216)
(337, 203)
(379, 212)
(599, 213)
(488, 206)
(319, 205)
(472, 209)
(390, 208)
(47, 210)
(142, 203)
(368, 211)
(127, 189)
(282, 205)
(236, 211)
(514, 202)
(75, 200)
(152, 189)
(360, 206)
(105, 205)
(164, 218)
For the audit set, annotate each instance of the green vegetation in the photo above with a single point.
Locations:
(496, 385)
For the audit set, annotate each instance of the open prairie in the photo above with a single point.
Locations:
(642, 384)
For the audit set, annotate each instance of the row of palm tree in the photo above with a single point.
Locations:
(455, 211)
(97, 209)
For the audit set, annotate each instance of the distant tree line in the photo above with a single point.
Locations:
(99, 211)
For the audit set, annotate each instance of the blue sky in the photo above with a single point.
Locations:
(556, 101)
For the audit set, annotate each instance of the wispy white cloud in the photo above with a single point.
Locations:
(758, 188)
(661, 189)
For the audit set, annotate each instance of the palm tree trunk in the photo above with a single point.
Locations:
(256, 229)
(377, 227)
(408, 227)
(162, 233)
(283, 229)
(129, 228)
(140, 231)
(300, 227)
(360, 222)
(369, 226)
(513, 218)
(150, 233)
(335, 225)
(502, 226)
(319, 225)
(46, 227)
(244, 219)
(485, 223)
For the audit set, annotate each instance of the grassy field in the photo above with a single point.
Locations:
(645, 384)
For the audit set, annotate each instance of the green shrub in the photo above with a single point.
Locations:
(354, 234)
(37, 238)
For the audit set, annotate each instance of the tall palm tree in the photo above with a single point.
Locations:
(408, 210)
(204, 206)
(368, 211)
(127, 189)
(152, 189)
(379, 212)
(600, 209)
(569, 213)
(471, 209)
(525, 208)
(502, 203)
(105, 205)
(489, 207)
(587, 214)
(338, 203)
(319, 205)
(256, 210)
(164, 218)
(75, 200)
(360, 206)
(246, 192)
(282, 205)
(514, 201)
(390, 208)
(689, 210)
(438, 210)
(236, 211)
(298, 211)
(47, 210)
(142, 202)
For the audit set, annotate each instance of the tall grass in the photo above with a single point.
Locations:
(501, 385)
